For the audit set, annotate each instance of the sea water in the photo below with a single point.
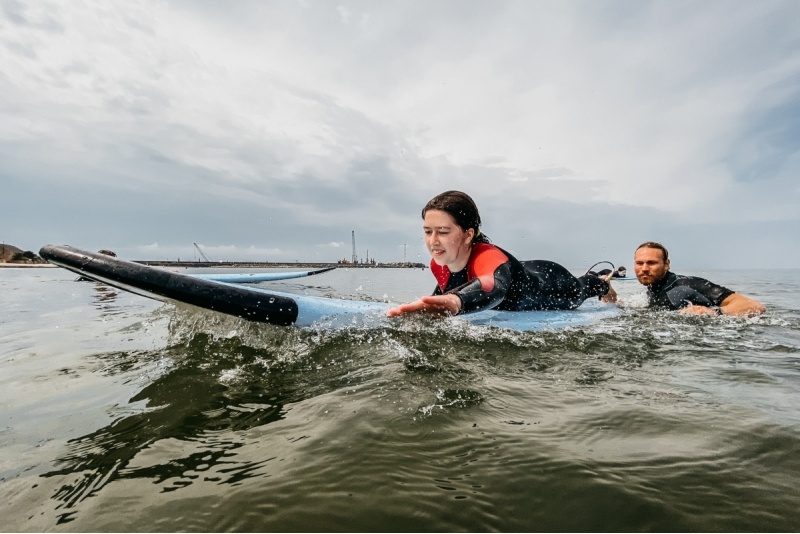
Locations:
(119, 413)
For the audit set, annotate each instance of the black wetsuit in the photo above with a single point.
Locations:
(606, 272)
(526, 285)
(675, 291)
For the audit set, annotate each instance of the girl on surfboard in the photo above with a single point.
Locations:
(473, 274)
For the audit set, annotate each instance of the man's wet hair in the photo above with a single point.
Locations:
(659, 246)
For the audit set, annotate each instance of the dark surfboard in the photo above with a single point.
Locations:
(173, 286)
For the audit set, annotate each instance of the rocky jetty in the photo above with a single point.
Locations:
(11, 255)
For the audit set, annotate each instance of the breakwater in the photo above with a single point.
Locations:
(279, 265)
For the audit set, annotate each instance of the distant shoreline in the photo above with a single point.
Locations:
(26, 265)
(241, 265)
(278, 265)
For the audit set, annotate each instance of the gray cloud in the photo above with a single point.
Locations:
(581, 128)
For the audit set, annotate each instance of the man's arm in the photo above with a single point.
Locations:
(734, 304)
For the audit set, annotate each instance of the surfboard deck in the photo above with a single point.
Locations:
(273, 307)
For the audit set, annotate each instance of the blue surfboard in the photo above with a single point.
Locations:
(252, 278)
(273, 307)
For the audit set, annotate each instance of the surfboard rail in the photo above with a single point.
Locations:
(254, 278)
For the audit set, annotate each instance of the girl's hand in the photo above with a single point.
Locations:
(435, 305)
(611, 296)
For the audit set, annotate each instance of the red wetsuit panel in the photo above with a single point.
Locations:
(484, 259)
(441, 273)
(483, 262)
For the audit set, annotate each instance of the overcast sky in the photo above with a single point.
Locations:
(272, 130)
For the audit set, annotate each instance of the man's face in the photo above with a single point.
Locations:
(649, 265)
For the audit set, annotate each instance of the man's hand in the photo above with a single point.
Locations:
(696, 309)
(435, 305)
(734, 304)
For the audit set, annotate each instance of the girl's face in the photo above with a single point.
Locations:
(447, 242)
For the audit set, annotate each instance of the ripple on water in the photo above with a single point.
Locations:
(644, 421)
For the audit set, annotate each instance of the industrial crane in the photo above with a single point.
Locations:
(205, 258)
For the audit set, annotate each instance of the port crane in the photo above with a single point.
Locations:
(205, 258)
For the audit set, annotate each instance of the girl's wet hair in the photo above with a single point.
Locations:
(462, 208)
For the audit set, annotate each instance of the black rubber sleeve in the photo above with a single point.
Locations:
(474, 298)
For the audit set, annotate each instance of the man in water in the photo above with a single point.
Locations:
(621, 272)
(689, 294)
